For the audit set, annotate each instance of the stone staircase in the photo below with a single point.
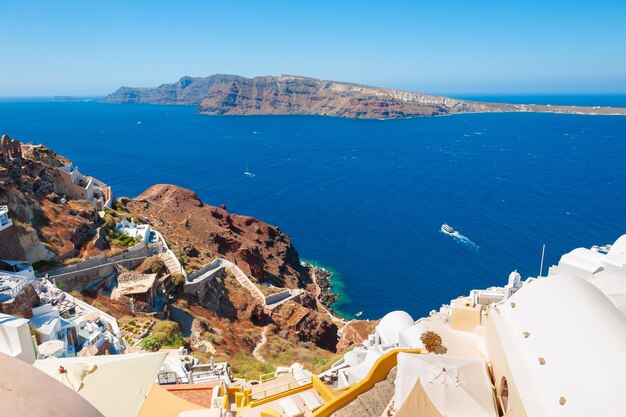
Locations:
(371, 403)
(244, 281)
(171, 263)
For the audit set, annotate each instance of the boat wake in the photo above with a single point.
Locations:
(458, 237)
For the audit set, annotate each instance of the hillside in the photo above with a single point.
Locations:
(293, 95)
(49, 227)
(205, 232)
(226, 319)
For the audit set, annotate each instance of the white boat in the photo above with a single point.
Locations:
(359, 314)
(445, 228)
(247, 172)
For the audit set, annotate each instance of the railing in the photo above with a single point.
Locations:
(279, 389)
(17, 289)
(377, 373)
(5, 220)
(267, 377)
(168, 378)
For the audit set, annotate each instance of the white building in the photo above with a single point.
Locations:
(557, 346)
(49, 326)
(15, 338)
(554, 345)
(85, 187)
(83, 329)
(132, 229)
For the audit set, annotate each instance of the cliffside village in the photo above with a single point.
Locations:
(544, 346)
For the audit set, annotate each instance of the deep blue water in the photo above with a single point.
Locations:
(367, 198)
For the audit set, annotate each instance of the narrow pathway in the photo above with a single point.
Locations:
(262, 343)
(340, 321)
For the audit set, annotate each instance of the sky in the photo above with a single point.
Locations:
(464, 47)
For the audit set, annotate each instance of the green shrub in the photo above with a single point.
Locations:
(178, 279)
(150, 343)
(71, 261)
(167, 333)
(126, 240)
(154, 265)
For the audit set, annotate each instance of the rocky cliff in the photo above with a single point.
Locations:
(234, 95)
(198, 233)
(202, 232)
(47, 225)
(228, 319)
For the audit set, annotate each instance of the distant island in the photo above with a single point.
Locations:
(293, 95)
(72, 98)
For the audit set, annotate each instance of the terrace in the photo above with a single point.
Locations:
(10, 286)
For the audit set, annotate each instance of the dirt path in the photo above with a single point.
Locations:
(258, 347)
(339, 321)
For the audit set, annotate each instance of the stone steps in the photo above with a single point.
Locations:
(171, 263)
(371, 403)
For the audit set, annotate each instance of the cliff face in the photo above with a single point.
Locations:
(187, 91)
(199, 233)
(47, 225)
(204, 232)
(234, 95)
(229, 319)
(300, 95)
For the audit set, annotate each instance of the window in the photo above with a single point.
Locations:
(504, 394)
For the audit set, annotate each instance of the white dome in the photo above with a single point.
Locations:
(392, 325)
(411, 337)
(618, 249)
(579, 335)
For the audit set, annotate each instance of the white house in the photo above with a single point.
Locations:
(85, 187)
(15, 338)
(133, 229)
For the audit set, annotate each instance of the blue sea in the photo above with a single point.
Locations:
(367, 198)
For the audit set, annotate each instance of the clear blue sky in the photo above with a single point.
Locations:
(93, 47)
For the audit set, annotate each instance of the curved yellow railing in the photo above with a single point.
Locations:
(379, 372)
(337, 398)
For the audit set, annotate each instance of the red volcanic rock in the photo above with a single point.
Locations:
(288, 94)
(262, 251)
(355, 333)
(47, 225)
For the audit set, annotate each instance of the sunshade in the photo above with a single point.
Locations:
(441, 385)
(116, 385)
(26, 392)
(51, 347)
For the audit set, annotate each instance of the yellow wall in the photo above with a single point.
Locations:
(379, 372)
(501, 368)
(465, 318)
(162, 403)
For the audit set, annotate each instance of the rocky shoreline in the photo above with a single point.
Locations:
(326, 296)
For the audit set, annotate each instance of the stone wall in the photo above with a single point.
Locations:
(276, 297)
(99, 266)
(9, 148)
(22, 305)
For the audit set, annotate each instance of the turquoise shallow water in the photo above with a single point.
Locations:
(367, 198)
